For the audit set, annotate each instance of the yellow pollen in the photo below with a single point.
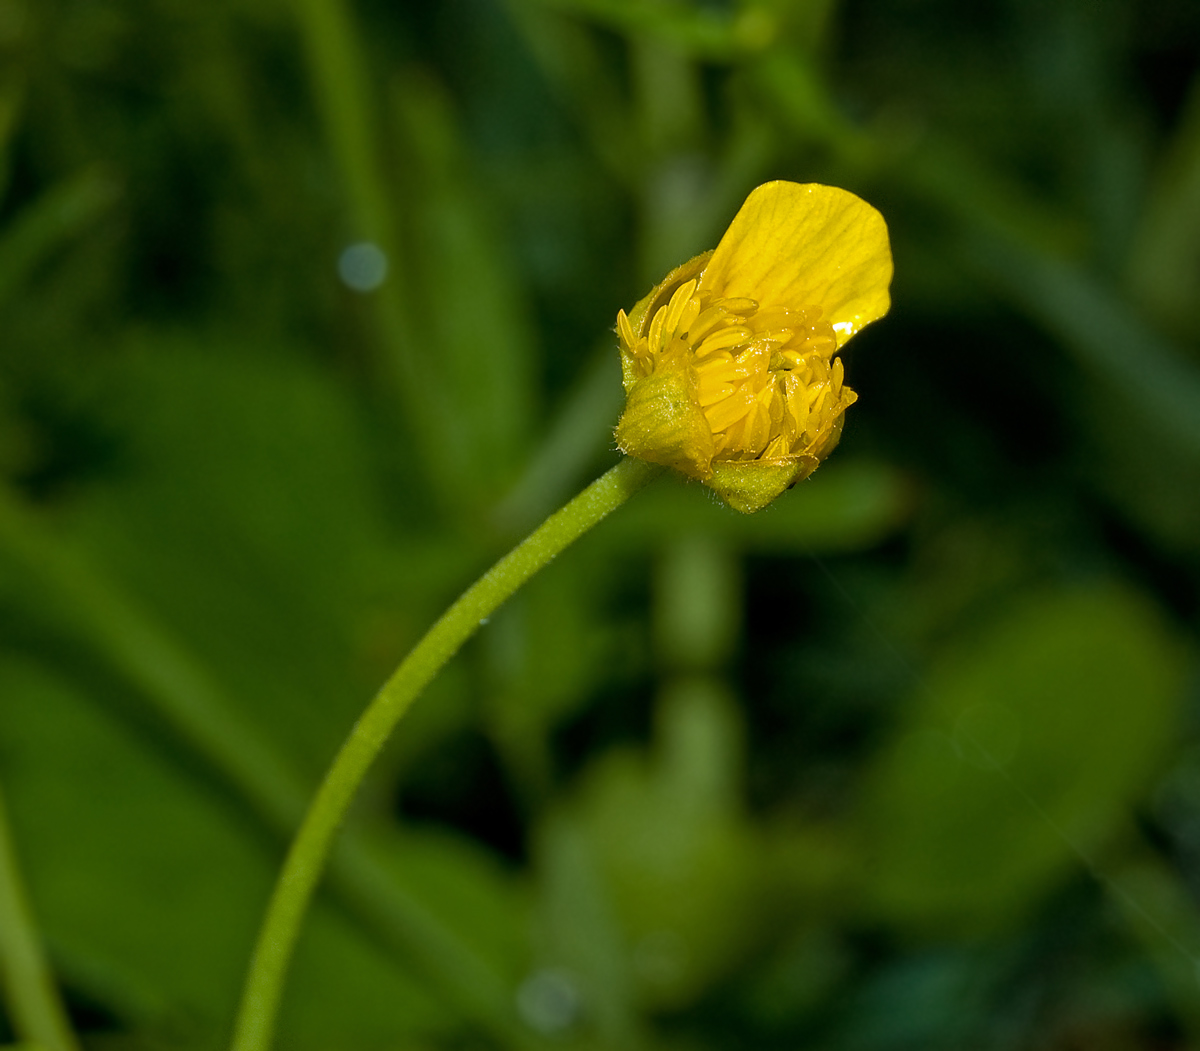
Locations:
(765, 378)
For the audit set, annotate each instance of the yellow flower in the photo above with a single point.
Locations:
(729, 364)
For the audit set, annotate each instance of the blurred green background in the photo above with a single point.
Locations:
(306, 315)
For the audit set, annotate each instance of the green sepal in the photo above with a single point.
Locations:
(750, 485)
(663, 423)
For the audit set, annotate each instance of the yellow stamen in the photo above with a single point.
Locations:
(762, 378)
(680, 301)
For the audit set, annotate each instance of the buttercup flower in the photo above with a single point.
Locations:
(729, 365)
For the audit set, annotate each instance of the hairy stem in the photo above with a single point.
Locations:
(310, 849)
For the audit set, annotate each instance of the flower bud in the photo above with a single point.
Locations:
(730, 364)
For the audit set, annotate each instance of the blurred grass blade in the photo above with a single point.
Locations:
(341, 83)
(570, 58)
(988, 203)
(339, 72)
(33, 1003)
(806, 103)
(12, 94)
(697, 29)
(1160, 385)
(56, 216)
(471, 306)
(1164, 266)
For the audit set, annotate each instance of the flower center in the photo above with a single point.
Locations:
(765, 378)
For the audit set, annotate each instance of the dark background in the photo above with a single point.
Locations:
(909, 760)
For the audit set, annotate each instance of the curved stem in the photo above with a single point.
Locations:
(310, 849)
(35, 1008)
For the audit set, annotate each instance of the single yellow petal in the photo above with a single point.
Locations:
(796, 245)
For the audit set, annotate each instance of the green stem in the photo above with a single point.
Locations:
(310, 849)
(35, 1009)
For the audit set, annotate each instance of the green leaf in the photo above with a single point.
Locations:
(151, 888)
(244, 518)
(1019, 761)
(673, 853)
